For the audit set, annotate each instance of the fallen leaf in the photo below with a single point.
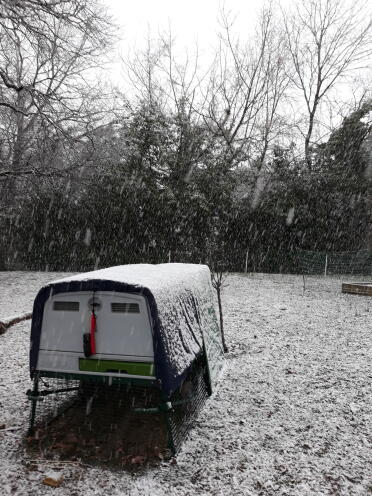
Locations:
(50, 481)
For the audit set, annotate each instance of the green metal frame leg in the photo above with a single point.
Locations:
(171, 444)
(166, 407)
(34, 397)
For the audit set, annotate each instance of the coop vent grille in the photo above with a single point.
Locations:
(66, 306)
(125, 307)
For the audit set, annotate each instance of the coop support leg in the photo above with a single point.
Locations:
(171, 444)
(166, 407)
(34, 397)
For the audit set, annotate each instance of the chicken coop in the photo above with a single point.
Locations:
(148, 329)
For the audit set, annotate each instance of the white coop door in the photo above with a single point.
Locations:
(123, 323)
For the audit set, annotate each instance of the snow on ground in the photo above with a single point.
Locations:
(292, 415)
(18, 290)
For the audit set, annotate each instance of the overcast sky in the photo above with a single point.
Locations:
(190, 20)
(193, 23)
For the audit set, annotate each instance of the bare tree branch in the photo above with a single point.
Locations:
(326, 40)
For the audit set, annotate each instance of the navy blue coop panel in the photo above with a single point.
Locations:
(151, 322)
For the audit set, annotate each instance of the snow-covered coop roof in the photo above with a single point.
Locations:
(180, 300)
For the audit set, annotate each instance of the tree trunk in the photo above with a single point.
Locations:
(308, 138)
(218, 289)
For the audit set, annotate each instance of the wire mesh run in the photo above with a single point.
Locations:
(52, 398)
(99, 424)
(186, 404)
(119, 424)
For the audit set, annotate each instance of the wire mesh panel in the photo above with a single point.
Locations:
(53, 397)
(347, 262)
(115, 424)
(186, 404)
(100, 423)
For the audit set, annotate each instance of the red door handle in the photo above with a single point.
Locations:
(93, 326)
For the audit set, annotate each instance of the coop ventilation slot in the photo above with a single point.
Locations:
(66, 306)
(125, 308)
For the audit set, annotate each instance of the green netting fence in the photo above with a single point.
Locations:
(328, 263)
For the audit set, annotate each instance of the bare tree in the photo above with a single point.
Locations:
(327, 40)
(272, 124)
(219, 282)
(368, 173)
(248, 83)
(40, 32)
(49, 52)
(163, 79)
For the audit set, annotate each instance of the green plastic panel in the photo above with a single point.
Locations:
(115, 366)
(100, 379)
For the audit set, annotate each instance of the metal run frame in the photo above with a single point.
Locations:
(169, 407)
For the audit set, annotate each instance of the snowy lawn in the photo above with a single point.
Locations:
(292, 415)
